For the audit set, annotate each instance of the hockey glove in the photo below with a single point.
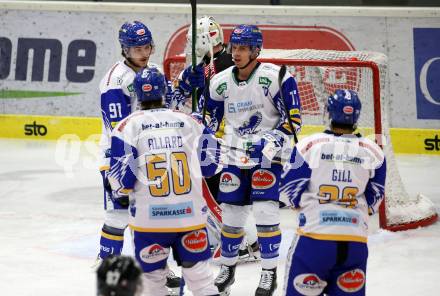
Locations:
(197, 116)
(193, 78)
(175, 100)
(268, 148)
(118, 200)
(122, 200)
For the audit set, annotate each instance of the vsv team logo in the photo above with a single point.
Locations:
(427, 72)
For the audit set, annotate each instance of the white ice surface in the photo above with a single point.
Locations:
(51, 215)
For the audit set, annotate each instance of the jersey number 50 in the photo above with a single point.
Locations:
(158, 174)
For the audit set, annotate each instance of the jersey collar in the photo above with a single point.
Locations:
(240, 82)
(329, 132)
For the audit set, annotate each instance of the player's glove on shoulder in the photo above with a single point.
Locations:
(193, 78)
(268, 148)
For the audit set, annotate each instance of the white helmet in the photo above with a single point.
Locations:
(209, 34)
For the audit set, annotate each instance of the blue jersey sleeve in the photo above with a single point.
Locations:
(175, 98)
(115, 106)
(293, 104)
(296, 178)
(123, 166)
(216, 110)
(375, 189)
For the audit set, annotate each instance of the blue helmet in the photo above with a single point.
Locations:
(344, 107)
(150, 85)
(134, 34)
(247, 35)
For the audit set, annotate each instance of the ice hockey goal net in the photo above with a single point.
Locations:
(318, 74)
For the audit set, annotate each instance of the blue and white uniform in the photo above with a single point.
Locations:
(251, 110)
(336, 181)
(158, 158)
(118, 100)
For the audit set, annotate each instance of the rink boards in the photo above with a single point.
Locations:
(404, 140)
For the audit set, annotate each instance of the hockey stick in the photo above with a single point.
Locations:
(215, 216)
(213, 206)
(207, 82)
(182, 286)
(281, 74)
(193, 49)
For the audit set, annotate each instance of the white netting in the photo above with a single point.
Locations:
(318, 74)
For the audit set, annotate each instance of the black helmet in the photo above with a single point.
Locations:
(119, 276)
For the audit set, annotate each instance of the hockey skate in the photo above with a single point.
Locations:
(225, 279)
(268, 282)
(250, 253)
(96, 264)
(173, 283)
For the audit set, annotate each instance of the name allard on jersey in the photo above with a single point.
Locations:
(165, 142)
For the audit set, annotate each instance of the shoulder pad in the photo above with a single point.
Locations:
(119, 76)
(372, 148)
(305, 144)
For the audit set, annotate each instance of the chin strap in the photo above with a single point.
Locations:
(250, 61)
(245, 66)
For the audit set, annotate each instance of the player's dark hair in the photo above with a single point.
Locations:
(350, 128)
(146, 105)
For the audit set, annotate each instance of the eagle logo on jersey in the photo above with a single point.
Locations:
(250, 126)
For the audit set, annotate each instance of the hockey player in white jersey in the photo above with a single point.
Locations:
(247, 97)
(210, 42)
(157, 159)
(118, 100)
(337, 181)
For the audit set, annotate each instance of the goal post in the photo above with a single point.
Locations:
(318, 74)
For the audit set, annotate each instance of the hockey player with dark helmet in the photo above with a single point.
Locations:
(119, 276)
(246, 35)
(146, 135)
(136, 43)
(344, 108)
(210, 43)
(150, 86)
(348, 182)
(117, 102)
